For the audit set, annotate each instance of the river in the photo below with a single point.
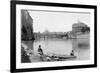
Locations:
(64, 47)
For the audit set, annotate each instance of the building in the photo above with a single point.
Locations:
(79, 28)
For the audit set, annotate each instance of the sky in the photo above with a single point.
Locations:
(56, 21)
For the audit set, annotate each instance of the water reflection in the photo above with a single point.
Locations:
(56, 46)
(82, 47)
(64, 47)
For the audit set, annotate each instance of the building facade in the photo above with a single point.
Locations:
(80, 28)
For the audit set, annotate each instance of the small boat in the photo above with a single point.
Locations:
(55, 57)
(66, 56)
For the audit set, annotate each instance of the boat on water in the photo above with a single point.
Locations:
(55, 57)
(66, 56)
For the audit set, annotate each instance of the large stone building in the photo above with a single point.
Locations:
(79, 28)
(27, 26)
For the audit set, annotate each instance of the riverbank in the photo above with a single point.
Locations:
(81, 47)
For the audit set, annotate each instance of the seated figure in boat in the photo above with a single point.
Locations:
(72, 53)
(40, 52)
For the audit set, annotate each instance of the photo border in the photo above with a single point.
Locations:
(13, 35)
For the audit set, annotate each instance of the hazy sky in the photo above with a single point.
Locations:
(57, 21)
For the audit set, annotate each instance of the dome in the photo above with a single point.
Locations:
(79, 24)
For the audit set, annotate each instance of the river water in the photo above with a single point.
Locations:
(64, 47)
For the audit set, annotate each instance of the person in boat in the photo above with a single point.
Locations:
(40, 52)
(72, 53)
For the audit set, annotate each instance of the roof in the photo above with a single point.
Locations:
(79, 24)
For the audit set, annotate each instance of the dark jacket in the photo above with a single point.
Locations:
(40, 51)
